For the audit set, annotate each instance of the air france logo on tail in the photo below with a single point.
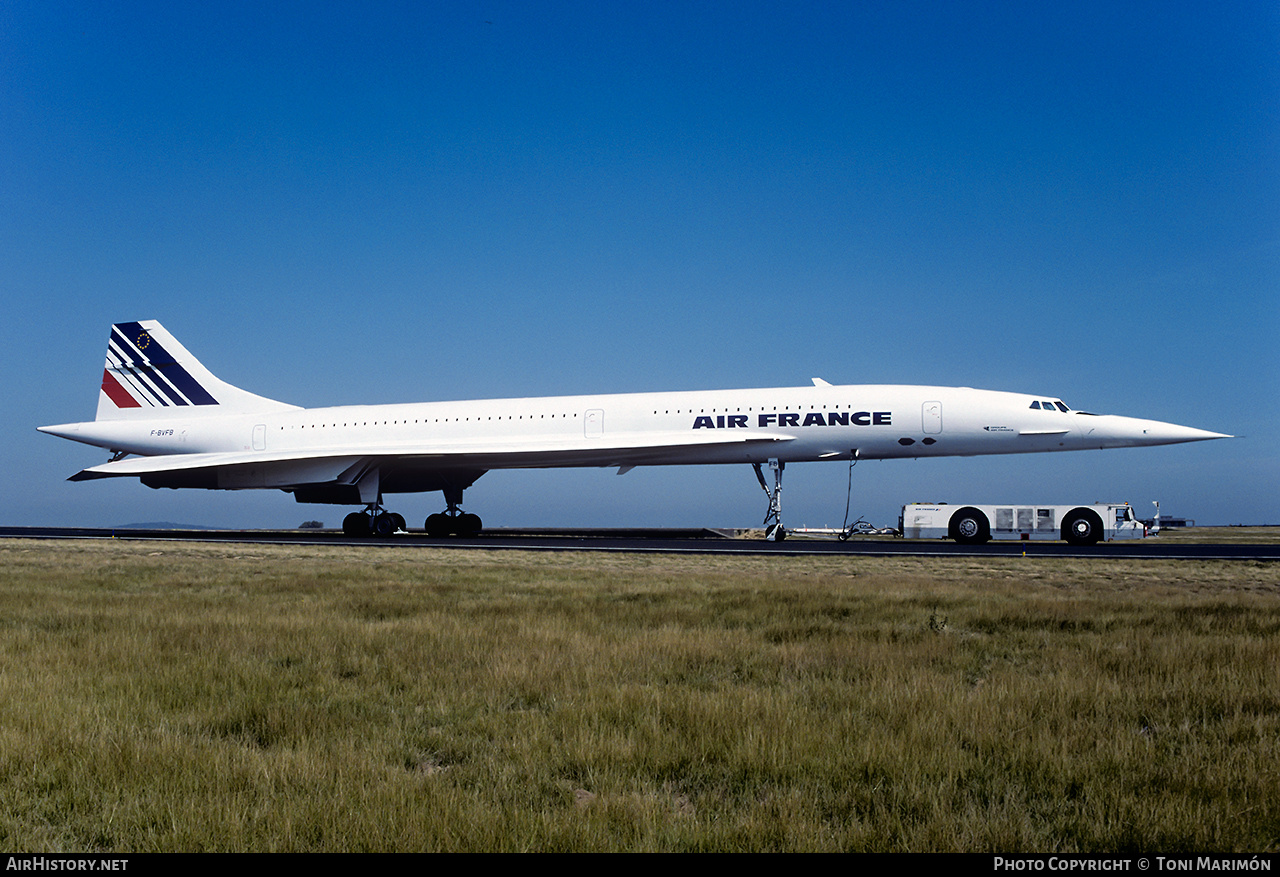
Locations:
(141, 373)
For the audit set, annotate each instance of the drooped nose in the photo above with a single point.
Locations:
(1114, 431)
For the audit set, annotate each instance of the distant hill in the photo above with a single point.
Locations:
(162, 525)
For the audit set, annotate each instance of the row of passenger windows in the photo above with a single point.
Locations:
(429, 420)
(751, 408)
(561, 416)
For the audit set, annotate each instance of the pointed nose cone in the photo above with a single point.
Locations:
(1171, 433)
(1113, 431)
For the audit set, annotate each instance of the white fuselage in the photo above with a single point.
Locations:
(789, 424)
(186, 428)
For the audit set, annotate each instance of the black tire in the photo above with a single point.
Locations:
(437, 525)
(401, 525)
(1082, 527)
(969, 526)
(468, 525)
(384, 524)
(356, 524)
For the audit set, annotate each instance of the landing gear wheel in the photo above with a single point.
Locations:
(384, 524)
(356, 524)
(467, 525)
(775, 533)
(437, 525)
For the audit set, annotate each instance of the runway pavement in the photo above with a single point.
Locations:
(678, 541)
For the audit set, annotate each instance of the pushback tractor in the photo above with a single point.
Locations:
(976, 524)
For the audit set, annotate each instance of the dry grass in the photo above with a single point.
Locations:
(178, 696)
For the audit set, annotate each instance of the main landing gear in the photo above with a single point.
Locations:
(453, 521)
(373, 521)
(773, 529)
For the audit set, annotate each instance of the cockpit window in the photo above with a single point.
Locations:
(1062, 407)
(1049, 406)
(1035, 405)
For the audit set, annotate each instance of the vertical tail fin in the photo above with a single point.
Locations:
(147, 368)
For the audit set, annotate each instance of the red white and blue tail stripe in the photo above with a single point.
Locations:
(142, 373)
(148, 369)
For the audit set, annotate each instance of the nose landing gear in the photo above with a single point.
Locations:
(773, 529)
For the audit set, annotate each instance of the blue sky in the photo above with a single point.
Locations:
(382, 202)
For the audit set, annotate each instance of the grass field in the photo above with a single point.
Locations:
(184, 696)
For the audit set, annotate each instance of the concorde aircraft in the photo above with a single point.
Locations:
(187, 428)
